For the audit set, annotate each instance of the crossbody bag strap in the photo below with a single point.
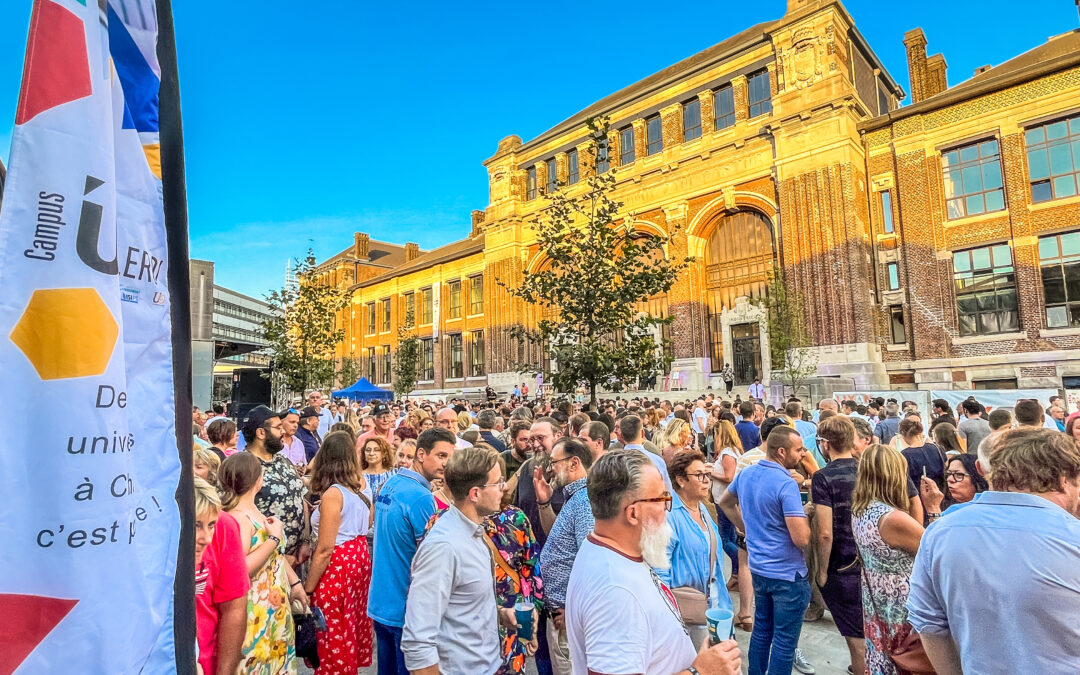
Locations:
(501, 562)
(712, 554)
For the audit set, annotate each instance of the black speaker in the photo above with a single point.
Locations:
(250, 389)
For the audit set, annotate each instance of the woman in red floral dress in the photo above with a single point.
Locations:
(341, 565)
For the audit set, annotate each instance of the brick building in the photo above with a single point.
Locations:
(777, 149)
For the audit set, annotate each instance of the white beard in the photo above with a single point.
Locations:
(654, 543)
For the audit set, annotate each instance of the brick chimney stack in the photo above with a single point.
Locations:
(361, 245)
(412, 251)
(477, 221)
(927, 75)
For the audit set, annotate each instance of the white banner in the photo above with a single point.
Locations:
(919, 398)
(88, 520)
(995, 398)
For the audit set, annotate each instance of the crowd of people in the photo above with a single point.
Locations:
(466, 537)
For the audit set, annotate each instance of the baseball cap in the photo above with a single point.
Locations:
(257, 417)
(379, 409)
(309, 411)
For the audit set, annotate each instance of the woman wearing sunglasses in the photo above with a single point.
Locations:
(696, 569)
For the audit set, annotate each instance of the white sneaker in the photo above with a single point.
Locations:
(802, 665)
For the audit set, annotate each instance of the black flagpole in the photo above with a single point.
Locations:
(176, 227)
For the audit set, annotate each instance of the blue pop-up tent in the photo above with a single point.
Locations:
(362, 390)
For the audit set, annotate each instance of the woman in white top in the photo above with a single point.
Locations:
(341, 565)
(723, 472)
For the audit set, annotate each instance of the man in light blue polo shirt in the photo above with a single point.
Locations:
(763, 501)
(402, 510)
(996, 586)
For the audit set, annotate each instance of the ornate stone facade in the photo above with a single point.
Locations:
(800, 135)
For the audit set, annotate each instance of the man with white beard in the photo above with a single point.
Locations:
(763, 501)
(620, 618)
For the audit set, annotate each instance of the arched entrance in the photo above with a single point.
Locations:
(739, 256)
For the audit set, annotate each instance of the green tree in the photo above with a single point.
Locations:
(406, 357)
(348, 372)
(305, 329)
(794, 360)
(598, 272)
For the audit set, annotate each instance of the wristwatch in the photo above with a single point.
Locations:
(693, 670)
(276, 539)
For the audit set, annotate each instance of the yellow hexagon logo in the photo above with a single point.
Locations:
(66, 332)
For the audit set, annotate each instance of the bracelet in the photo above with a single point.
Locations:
(275, 538)
(543, 504)
(931, 516)
(693, 670)
(294, 583)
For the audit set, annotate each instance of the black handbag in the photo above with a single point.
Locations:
(307, 645)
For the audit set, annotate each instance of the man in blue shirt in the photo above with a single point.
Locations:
(748, 432)
(807, 430)
(763, 501)
(996, 585)
(570, 460)
(404, 505)
(887, 428)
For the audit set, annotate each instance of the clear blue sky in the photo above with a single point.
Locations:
(307, 125)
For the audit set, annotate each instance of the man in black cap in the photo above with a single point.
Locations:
(308, 433)
(384, 425)
(282, 493)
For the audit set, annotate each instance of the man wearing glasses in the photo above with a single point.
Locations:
(763, 501)
(570, 461)
(451, 614)
(620, 618)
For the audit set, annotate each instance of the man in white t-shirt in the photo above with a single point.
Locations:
(620, 618)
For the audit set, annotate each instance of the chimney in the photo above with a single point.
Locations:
(412, 251)
(361, 245)
(915, 43)
(935, 75)
(477, 221)
(982, 69)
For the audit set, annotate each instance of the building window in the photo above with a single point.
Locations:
(1053, 153)
(626, 146)
(371, 364)
(454, 311)
(1059, 261)
(892, 271)
(691, 120)
(886, 211)
(897, 332)
(476, 357)
(456, 369)
(409, 317)
(427, 359)
(426, 308)
(552, 176)
(530, 183)
(386, 315)
(387, 364)
(654, 135)
(985, 290)
(723, 108)
(973, 179)
(572, 171)
(603, 162)
(760, 98)
(476, 295)
(371, 318)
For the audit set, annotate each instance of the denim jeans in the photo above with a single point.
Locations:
(391, 660)
(778, 618)
(727, 538)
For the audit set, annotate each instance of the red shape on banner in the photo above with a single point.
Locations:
(25, 622)
(57, 68)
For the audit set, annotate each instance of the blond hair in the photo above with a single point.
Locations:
(882, 477)
(464, 421)
(674, 430)
(206, 498)
(727, 437)
(207, 458)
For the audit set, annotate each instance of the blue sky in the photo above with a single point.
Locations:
(303, 126)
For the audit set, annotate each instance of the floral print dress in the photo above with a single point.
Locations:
(884, 592)
(269, 647)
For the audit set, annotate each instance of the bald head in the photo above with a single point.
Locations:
(446, 418)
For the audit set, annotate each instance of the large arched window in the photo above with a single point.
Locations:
(738, 259)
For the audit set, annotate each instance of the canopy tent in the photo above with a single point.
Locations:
(363, 390)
